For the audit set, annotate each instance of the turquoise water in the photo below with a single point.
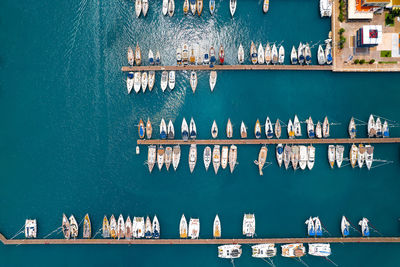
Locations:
(68, 133)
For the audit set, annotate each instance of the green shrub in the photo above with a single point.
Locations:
(341, 31)
(386, 53)
(356, 61)
(341, 17)
(362, 61)
(372, 61)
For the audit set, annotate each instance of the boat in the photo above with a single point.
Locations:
(217, 227)
(353, 155)
(310, 227)
(339, 155)
(144, 81)
(170, 130)
(158, 58)
(232, 6)
(120, 227)
(207, 157)
(279, 154)
(185, 54)
(310, 128)
(183, 227)
(325, 8)
(290, 129)
(87, 227)
(352, 128)
(325, 128)
(156, 228)
(300, 53)
(328, 53)
(106, 228)
(152, 79)
(193, 131)
(192, 57)
(193, 6)
(262, 157)
(364, 227)
(199, 7)
(129, 81)
(178, 56)
(163, 129)
(293, 56)
(311, 157)
(265, 6)
(192, 157)
(297, 126)
(281, 59)
(369, 156)
(66, 229)
(249, 225)
(194, 228)
(213, 79)
(321, 56)
(213, 58)
(257, 129)
(371, 127)
(243, 130)
(230, 251)
(361, 155)
(151, 57)
(318, 226)
(268, 56)
(278, 129)
(168, 157)
(232, 157)
(186, 7)
(138, 227)
(318, 130)
(240, 54)
(160, 157)
(176, 156)
(171, 7)
(221, 53)
(214, 130)
(229, 129)
(345, 227)
(137, 83)
(331, 155)
(131, 56)
(253, 53)
(206, 58)
(303, 157)
(319, 250)
(216, 158)
(295, 157)
(148, 232)
(274, 54)
(287, 151)
(261, 58)
(113, 227)
(164, 80)
(378, 127)
(307, 53)
(73, 225)
(212, 6)
(224, 157)
(151, 157)
(145, 7)
(184, 130)
(269, 130)
(128, 228)
(193, 81)
(263, 250)
(171, 80)
(138, 55)
(165, 7)
(385, 130)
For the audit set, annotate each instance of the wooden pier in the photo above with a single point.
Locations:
(227, 67)
(269, 141)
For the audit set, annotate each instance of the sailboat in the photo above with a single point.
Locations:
(290, 129)
(192, 157)
(345, 227)
(138, 227)
(297, 126)
(120, 227)
(207, 157)
(281, 54)
(311, 157)
(378, 127)
(129, 81)
(168, 157)
(224, 157)
(295, 157)
(213, 58)
(216, 158)
(243, 130)
(318, 226)
(265, 6)
(128, 228)
(148, 232)
(240, 54)
(278, 129)
(217, 227)
(137, 82)
(339, 155)
(176, 156)
(66, 228)
(158, 58)
(253, 53)
(353, 155)
(232, 158)
(138, 55)
(321, 56)
(385, 129)
(331, 155)
(171, 80)
(160, 157)
(184, 130)
(87, 227)
(144, 81)
(214, 130)
(170, 130)
(268, 54)
(352, 128)
(274, 54)
(213, 79)
(113, 227)
(318, 130)
(361, 156)
(293, 56)
(145, 7)
(279, 154)
(193, 7)
(178, 56)
(183, 227)
(165, 7)
(369, 156)
(106, 228)
(199, 7)
(186, 7)
(152, 79)
(328, 53)
(232, 6)
(151, 157)
(171, 7)
(151, 57)
(212, 6)
(310, 227)
(257, 129)
(300, 53)
(185, 54)
(371, 126)
(221, 53)
(233, 251)
(364, 227)
(307, 53)
(194, 228)
(262, 157)
(287, 151)
(325, 128)
(149, 129)
(261, 59)
(163, 129)
(269, 130)
(156, 228)
(303, 157)
(263, 250)
(164, 80)
(229, 129)
(73, 227)
(130, 56)
(193, 81)
(193, 131)
(310, 128)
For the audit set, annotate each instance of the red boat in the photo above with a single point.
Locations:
(221, 55)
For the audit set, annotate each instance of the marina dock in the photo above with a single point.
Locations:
(269, 141)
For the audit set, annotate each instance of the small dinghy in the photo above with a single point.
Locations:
(217, 227)
(279, 154)
(297, 126)
(293, 56)
(318, 130)
(165, 7)
(232, 6)
(221, 55)
(240, 54)
(193, 81)
(171, 80)
(262, 157)
(137, 82)
(310, 128)
(151, 57)
(193, 131)
(163, 129)
(207, 157)
(212, 6)
(300, 53)
(160, 157)
(257, 129)
(274, 54)
(176, 156)
(339, 155)
(170, 130)
(278, 129)
(311, 157)
(145, 7)
(281, 59)
(303, 157)
(129, 82)
(353, 155)
(138, 55)
(186, 7)
(152, 79)
(331, 155)
(269, 130)
(253, 53)
(287, 151)
(224, 157)
(352, 128)
(261, 59)
(192, 157)
(144, 81)
(214, 130)
(171, 8)
(130, 56)
(268, 54)
(216, 158)
(243, 130)
(184, 130)
(229, 129)
(321, 55)
(232, 157)
(213, 79)
(164, 80)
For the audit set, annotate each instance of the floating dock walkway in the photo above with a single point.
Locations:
(269, 141)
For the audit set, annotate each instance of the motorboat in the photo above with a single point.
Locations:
(212, 6)
(240, 54)
(171, 80)
(293, 56)
(364, 227)
(261, 58)
(310, 227)
(318, 130)
(287, 151)
(217, 227)
(192, 58)
(186, 7)
(183, 227)
(144, 81)
(193, 81)
(262, 157)
(66, 229)
(156, 228)
(184, 130)
(269, 130)
(233, 251)
(151, 157)
(290, 129)
(171, 7)
(224, 157)
(307, 53)
(281, 59)
(279, 154)
(369, 156)
(253, 53)
(163, 129)
(263, 250)
(105, 228)
(325, 128)
(311, 157)
(165, 7)
(213, 79)
(178, 56)
(192, 157)
(193, 7)
(310, 128)
(158, 58)
(378, 127)
(303, 157)
(73, 227)
(138, 55)
(361, 155)
(148, 232)
(131, 56)
(193, 131)
(138, 227)
(385, 130)
(199, 6)
(168, 157)
(265, 6)
(151, 57)
(274, 55)
(87, 227)
(353, 155)
(345, 227)
(339, 155)
(194, 228)
(352, 128)
(243, 130)
(293, 250)
(331, 155)
(170, 130)
(216, 158)
(214, 130)
(160, 157)
(325, 8)
(229, 129)
(318, 226)
(164, 80)
(120, 227)
(232, 157)
(221, 53)
(328, 53)
(300, 53)
(113, 227)
(213, 58)
(145, 7)
(371, 127)
(152, 79)
(128, 228)
(268, 56)
(249, 225)
(176, 156)
(297, 126)
(319, 249)
(207, 157)
(321, 56)
(232, 6)
(294, 156)
(129, 81)
(137, 82)
(257, 129)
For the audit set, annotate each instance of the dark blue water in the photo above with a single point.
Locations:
(68, 133)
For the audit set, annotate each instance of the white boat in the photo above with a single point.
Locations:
(217, 227)
(325, 8)
(214, 130)
(194, 228)
(297, 126)
(171, 7)
(106, 228)
(240, 54)
(129, 82)
(137, 82)
(300, 53)
(345, 227)
(120, 227)
(278, 129)
(131, 56)
(151, 79)
(224, 157)
(331, 155)
(369, 156)
(185, 54)
(151, 57)
(290, 129)
(151, 157)
(378, 127)
(148, 232)
(257, 129)
(185, 7)
(207, 157)
(212, 6)
(274, 54)
(243, 130)
(171, 80)
(249, 225)
(310, 227)
(310, 128)
(361, 155)
(184, 130)
(303, 152)
(253, 53)
(279, 154)
(193, 6)
(193, 131)
(319, 250)
(232, 157)
(268, 54)
(168, 157)
(206, 58)
(193, 81)
(163, 129)
(328, 53)
(293, 56)
(311, 157)
(199, 6)
(192, 157)
(364, 227)
(353, 155)
(281, 59)
(113, 227)
(229, 251)
(158, 58)
(318, 226)
(232, 6)
(371, 126)
(269, 130)
(287, 151)
(262, 157)
(128, 228)
(165, 7)
(30, 228)
(160, 157)
(176, 156)
(213, 79)
(321, 56)
(352, 128)
(261, 59)
(385, 130)
(138, 55)
(265, 6)
(179, 56)
(164, 80)
(216, 158)
(144, 81)
(183, 227)
(229, 129)
(138, 227)
(145, 7)
(307, 53)
(263, 251)
(339, 155)
(318, 130)
(138, 7)
(294, 157)
(325, 128)
(156, 228)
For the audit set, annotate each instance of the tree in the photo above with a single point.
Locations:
(372, 61)
(356, 61)
(341, 31)
(362, 61)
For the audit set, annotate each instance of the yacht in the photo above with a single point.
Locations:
(165, 7)
(106, 228)
(138, 55)
(274, 54)
(184, 130)
(278, 129)
(192, 157)
(293, 56)
(213, 79)
(171, 80)
(73, 227)
(170, 130)
(129, 81)
(310, 227)
(253, 53)
(311, 157)
(217, 227)
(331, 155)
(290, 129)
(240, 54)
(137, 82)
(262, 157)
(160, 157)
(353, 155)
(163, 129)
(229, 129)
(281, 59)
(371, 127)
(145, 7)
(265, 6)
(257, 129)
(279, 154)
(183, 227)
(325, 8)
(269, 130)
(345, 227)
(87, 227)
(156, 228)
(193, 7)
(268, 56)
(179, 56)
(307, 53)
(199, 6)
(319, 250)
(369, 156)
(113, 227)
(310, 128)
(130, 56)
(385, 130)
(194, 228)
(321, 56)
(171, 7)
(300, 53)
(297, 126)
(230, 251)
(328, 53)
(152, 79)
(207, 157)
(325, 128)
(261, 59)
(193, 81)
(148, 232)
(193, 131)
(364, 227)
(232, 6)
(303, 152)
(295, 157)
(216, 158)
(120, 227)
(378, 126)
(263, 251)
(213, 59)
(318, 130)
(214, 130)
(164, 80)
(168, 157)
(176, 156)
(361, 155)
(141, 129)
(339, 155)
(224, 157)
(243, 130)
(287, 151)
(206, 58)
(352, 128)
(221, 53)
(151, 157)
(30, 228)
(249, 225)
(318, 226)
(128, 228)
(232, 157)
(293, 250)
